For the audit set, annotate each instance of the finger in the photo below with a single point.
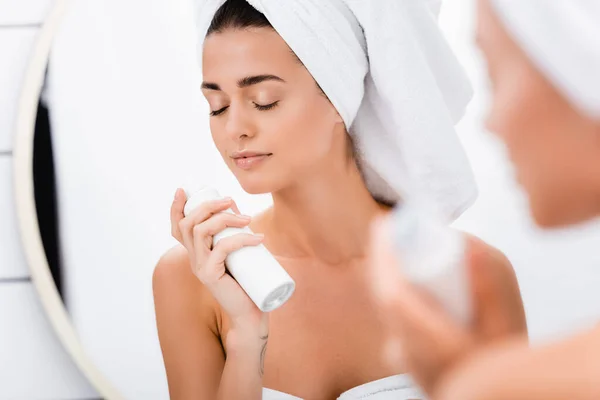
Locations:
(202, 254)
(199, 215)
(234, 207)
(217, 223)
(177, 213)
(230, 244)
(208, 208)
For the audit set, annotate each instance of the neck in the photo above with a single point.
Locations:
(326, 217)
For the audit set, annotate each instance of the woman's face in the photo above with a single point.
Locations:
(556, 151)
(269, 120)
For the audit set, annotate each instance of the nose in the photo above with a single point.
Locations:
(239, 124)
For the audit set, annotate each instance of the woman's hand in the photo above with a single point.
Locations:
(195, 232)
(432, 343)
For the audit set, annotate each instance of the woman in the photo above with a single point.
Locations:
(279, 116)
(544, 62)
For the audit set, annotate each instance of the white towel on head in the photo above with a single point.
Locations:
(562, 39)
(390, 73)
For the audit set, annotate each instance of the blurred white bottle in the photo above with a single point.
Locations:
(432, 257)
(254, 268)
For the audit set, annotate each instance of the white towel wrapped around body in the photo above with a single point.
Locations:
(387, 68)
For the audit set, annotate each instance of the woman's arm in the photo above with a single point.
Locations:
(512, 370)
(243, 373)
(193, 354)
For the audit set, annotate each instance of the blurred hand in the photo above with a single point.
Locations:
(432, 343)
(196, 232)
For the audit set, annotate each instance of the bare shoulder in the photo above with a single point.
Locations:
(484, 255)
(487, 256)
(173, 269)
(173, 266)
(483, 252)
(176, 287)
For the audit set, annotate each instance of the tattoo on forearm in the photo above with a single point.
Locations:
(263, 352)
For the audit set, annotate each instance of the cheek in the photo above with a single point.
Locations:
(305, 129)
(517, 117)
(546, 159)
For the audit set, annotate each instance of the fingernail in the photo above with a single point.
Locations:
(226, 199)
(259, 235)
(177, 193)
(246, 217)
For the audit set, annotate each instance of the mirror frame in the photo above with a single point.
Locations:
(27, 221)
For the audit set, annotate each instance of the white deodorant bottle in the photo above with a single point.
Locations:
(432, 257)
(254, 268)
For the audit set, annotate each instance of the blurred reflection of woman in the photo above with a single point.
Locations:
(544, 63)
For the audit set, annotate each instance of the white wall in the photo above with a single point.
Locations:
(130, 126)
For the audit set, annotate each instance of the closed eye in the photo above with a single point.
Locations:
(259, 107)
(266, 107)
(218, 112)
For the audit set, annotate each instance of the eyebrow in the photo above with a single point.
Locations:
(245, 82)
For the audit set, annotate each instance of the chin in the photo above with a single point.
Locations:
(552, 211)
(547, 219)
(263, 181)
(256, 186)
(544, 207)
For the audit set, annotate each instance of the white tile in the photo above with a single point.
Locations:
(33, 364)
(12, 259)
(15, 48)
(21, 12)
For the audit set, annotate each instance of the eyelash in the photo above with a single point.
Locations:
(257, 106)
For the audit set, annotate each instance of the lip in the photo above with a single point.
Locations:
(247, 160)
(247, 154)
